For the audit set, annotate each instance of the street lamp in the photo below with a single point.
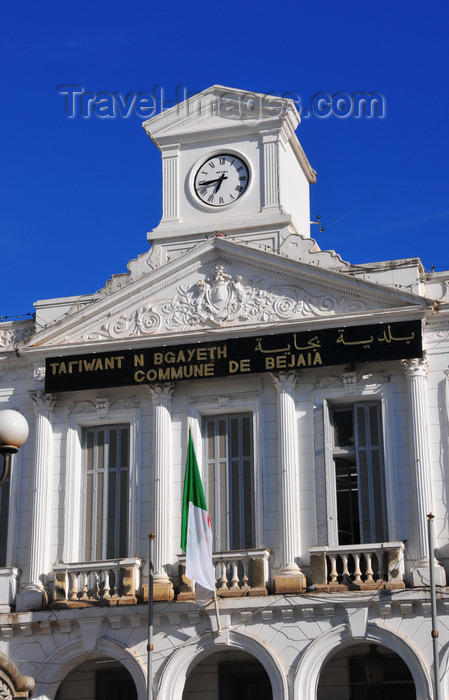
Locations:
(13, 433)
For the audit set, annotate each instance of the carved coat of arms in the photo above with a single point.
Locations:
(220, 298)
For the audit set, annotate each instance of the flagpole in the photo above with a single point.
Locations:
(150, 622)
(433, 607)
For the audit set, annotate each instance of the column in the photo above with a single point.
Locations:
(416, 372)
(289, 579)
(161, 395)
(34, 596)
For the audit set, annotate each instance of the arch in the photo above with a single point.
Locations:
(65, 660)
(317, 653)
(173, 678)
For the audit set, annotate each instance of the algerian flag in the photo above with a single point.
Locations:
(196, 533)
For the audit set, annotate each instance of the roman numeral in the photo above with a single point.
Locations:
(203, 191)
(242, 178)
(222, 161)
(239, 169)
(211, 198)
(221, 200)
(211, 165)
(239, 189)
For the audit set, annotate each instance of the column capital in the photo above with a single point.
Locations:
(285, 381)
(416, 367)
(43, 404)
(161, 393)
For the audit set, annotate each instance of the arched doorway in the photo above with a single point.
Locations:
(228, 675)
(99, 678)
(365, 671)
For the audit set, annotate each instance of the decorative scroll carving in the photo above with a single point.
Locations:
(11, 334)
(352, 381)
(223, 299)
(103, 406)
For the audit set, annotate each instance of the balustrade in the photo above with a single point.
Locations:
(98, 582)
(237, 573)
(358, 566)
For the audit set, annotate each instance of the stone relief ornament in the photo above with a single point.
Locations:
(39, 373)
(221, 299)
(353, 382)
(102, 406)
(13, 334)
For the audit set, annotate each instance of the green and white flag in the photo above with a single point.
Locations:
(196, 532)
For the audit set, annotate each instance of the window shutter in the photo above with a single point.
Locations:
(371, 479)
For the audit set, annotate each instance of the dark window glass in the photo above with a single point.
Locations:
(106, 484)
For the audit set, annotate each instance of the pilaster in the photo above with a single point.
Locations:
(290, 579)
(170, 184)
(270, 171)
(34, 596)
(161, 395)
(416, 372)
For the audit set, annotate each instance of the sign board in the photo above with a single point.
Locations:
(236, 356)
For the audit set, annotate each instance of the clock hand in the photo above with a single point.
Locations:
(220, 182)
(220, 179)
(209, 182)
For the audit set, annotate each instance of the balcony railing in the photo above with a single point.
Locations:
(358, 566)
(237, 573)
(98, 582)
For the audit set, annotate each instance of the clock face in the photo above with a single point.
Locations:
(221, 180)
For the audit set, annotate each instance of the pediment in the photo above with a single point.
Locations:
(222, 287)
(221, 108)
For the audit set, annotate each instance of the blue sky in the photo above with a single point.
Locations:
(78, 195)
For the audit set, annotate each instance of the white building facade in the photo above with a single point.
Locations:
(316, 392)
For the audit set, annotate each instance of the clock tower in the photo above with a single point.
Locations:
(232, 164)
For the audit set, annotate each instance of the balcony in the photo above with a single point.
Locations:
(110, 582)
(237, 573)
(358, 566)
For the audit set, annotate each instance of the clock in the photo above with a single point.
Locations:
(221, 180)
